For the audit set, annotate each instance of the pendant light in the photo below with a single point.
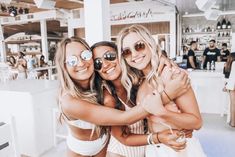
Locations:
(218, 26)
(224, 24)
(229, 25)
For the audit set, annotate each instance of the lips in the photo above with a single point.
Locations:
(138, 59)
(82, 70)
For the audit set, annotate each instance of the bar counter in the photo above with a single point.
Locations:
(31, 103)
(208, 88)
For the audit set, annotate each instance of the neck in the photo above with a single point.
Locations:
(147, 70)
(84, 84)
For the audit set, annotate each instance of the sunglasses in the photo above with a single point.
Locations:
(109, 56)
(140, 46)
(73, 60)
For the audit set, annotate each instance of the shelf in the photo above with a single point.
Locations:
(22, 41)
(222, 30)
(198, 33)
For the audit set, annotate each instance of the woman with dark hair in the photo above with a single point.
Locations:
(78, 101)
(11, 61)
(127, 140)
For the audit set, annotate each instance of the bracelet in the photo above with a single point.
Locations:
(151, 140)
(158, 138)
(167, 95)
(148, 138)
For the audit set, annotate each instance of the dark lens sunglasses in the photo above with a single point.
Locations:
(140, 46)
(109, 56)
(73, 60)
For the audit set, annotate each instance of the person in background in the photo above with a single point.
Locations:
(211, 53)
(191, 59)
(224, 52)
(185, 52)
(21, 65)
(11, 61)
(230, 85)
(228, 64)
(35, 60)
(42, 63)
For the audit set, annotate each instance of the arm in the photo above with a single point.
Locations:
(192, 62)
(77, 108)
(164, 137)
(175, 86)
(190, 117)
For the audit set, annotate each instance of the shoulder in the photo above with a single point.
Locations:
(109, 101)
(190, 52)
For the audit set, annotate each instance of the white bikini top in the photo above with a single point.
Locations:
(77, 123)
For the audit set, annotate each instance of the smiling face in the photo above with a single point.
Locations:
(109, 67)
(84, 68)
(136, 52)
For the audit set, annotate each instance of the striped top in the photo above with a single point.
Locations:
(128, 151)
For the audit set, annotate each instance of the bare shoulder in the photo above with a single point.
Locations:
(109, 101)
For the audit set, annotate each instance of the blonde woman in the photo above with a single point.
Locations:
(139, 59)
(78, 101)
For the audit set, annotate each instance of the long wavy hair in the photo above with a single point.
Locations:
(228, 65)
(130, 75)
(66, 84)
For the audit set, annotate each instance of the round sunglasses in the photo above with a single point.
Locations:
(73, 60)
(139, 46)
(109, 56)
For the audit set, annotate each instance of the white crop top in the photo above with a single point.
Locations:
(77, 123)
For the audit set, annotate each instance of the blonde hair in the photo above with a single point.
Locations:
(67, 84)
(131, 75)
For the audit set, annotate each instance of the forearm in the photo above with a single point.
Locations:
(183, 120)
(133, 115)
(134, 140)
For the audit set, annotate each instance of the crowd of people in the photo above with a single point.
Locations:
(126, 99)
(22, 65)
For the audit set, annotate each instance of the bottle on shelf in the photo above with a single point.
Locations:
(224, 24)
(212, 65)
(218, 25)
(208, 66)
(229, 26)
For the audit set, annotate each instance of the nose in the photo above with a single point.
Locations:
(134, 53)
(80, 62)
(105, 63)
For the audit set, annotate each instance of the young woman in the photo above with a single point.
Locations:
(78, 100)
(138, 50)
(125, 140)
(229, 71)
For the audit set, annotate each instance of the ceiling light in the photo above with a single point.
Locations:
(12, 11)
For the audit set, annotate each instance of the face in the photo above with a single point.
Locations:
(211, 44)
(106, 63)
(135, 51)
(79, 61)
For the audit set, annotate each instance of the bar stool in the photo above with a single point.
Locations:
(8, 139)
(60, 131)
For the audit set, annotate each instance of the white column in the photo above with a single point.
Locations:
(2, 45)
(97, 20)
(43, 27)
(70, 31)
(173, 36)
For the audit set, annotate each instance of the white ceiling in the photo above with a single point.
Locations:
(190, 6)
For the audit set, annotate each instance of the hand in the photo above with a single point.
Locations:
(164, 61)
(177, 86)
(152, 103)
(166, 137)
(188, 133)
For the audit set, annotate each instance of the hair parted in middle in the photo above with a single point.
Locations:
(130, 75)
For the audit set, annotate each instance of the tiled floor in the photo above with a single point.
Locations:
(217, 138)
